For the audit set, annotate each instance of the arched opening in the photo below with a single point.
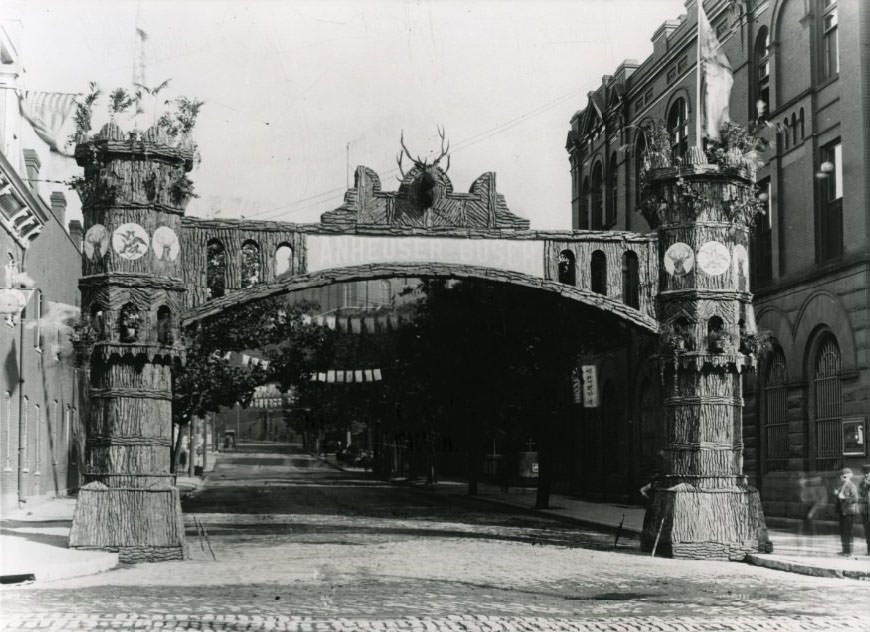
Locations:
(98, 321)
(775, 412)
(597, 198)
(216, 269)
(630, 279)
(165, 329)
(129, 322)
(283, 259)
(718, 339)
(639, 151)
(678, 129)
(612, 192)
(567, 268)
(249, 264)
(762, 73)
(598, 272)
(828, 404)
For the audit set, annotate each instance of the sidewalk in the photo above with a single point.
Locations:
(815, 555)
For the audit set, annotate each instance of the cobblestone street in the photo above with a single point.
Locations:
(281, 541)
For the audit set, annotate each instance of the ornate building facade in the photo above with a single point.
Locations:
(801, 75)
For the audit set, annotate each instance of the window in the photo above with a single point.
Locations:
(672, 74)
(216, 267)
(762, 72)
(128, 323)
(584, 205)
(761, 241)
(612, 192)
(630, 280)
(775, 411)
(639, 151)
(567, 270)
(249, 264)
(597, 196)
(678, 129)
(828, 404)
(598, 272)
(830, 209)
(165, 330)
(830, 57)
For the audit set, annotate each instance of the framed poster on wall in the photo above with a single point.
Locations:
(854, 436)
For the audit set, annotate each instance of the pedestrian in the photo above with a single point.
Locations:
(864, 503)
(847, 508)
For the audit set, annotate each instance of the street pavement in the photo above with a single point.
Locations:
(280, 540)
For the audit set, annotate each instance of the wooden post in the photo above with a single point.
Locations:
(133, 198)
(703, 213)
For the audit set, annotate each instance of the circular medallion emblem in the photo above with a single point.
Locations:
(713, 258)
(165, 244)
(679, 259)
(96, 242)
(130, 241)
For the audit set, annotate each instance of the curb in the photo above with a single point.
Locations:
(805, 569)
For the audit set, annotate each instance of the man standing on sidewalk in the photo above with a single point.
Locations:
(864, 503)
(847, 508)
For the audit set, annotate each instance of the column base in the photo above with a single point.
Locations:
(705, 524)
(141, 525)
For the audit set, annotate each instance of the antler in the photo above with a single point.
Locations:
(416, 161)
(445, 149)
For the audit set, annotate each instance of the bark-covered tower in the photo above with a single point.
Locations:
(134, 192)
(702, 505)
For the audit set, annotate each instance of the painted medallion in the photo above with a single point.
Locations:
(130, 241)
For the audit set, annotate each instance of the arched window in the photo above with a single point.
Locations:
(828, 404)
(612, 192)
(786, 134)
(216, 269)
(830, 53)
(801, 123)
(775, 411)
(639, 151)
(598, 272)
(762, 72)
(678, 129)
(584, 204)
(718, 338)
(283, 259)
(597, 210)
(630, 280)
(249, 264)
(794, 128)
(129, 323)
(165, 333)
(567, 268)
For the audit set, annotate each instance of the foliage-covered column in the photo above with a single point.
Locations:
(134, 192)
(702, 506)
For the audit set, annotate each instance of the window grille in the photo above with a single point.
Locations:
(775, 394)
(828, 406)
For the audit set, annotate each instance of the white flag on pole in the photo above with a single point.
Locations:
(717, 77)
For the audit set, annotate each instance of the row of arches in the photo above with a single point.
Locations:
(567, 274)
(131, 326)
(250, 265)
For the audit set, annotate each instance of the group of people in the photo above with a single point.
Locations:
(853, 500)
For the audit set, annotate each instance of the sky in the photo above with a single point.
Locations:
(295, 91)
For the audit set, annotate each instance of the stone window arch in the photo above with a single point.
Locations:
(567, 268)
(216, 269)
(249, 264)
(774, 411)
(283, 259)
(762, 72)
(598, 272)
(630, 279)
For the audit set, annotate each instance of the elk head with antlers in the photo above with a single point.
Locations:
(422, 189)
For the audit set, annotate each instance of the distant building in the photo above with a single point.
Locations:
(40, 432)
(800, 66)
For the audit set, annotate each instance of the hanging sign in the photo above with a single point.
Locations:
(590, 385)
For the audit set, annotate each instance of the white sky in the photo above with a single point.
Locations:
(288, 84)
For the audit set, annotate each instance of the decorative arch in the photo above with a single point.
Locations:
(677, 123)
(598, 272)
(630, 279)
(824, 364)
(249, 264)
(823, 309)
(567, 268)
(774, 431)
(216, 269)
(283, 258)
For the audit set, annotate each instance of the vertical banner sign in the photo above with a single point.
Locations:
(590, 386)
(577, 386)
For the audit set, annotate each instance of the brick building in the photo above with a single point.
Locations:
(800, 66)
(40, 433)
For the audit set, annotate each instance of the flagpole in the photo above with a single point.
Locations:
(698, 80)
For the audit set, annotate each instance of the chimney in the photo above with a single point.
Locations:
(58, 206)
(76, 233)
(662, 34)
(31, 166)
